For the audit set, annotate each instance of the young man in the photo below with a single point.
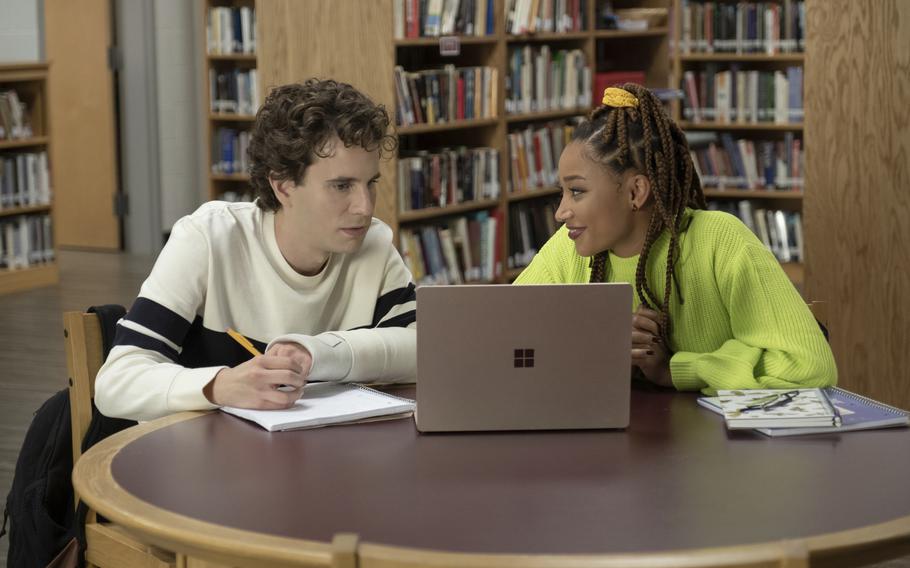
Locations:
(305, 268)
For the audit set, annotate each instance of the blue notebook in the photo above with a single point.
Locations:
(856, 411)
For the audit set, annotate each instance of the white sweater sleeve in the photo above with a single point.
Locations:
(385, 351)
(140, 378)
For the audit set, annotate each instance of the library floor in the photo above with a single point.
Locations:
(31, 344)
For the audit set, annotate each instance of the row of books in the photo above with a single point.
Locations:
(447, 177)
(540, 80)
(432, 18)
(14, 119)
(435, 96)
(531, 224)
(723, 162)
(743, 27)
(780, 231)
(229, 151)
(534, 154)
(231, 30)
(743, 96)
(535, 16)
(25, 240)
(464, 249)
(24, 180)
(234, 91)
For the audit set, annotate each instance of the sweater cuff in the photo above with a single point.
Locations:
(331, 354)
(682, 371)
(185, 392)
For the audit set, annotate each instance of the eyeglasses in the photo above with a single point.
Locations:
(772, 401)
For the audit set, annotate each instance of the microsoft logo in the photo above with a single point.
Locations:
(524, 358)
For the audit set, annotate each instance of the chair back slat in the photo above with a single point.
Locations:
(84, 356)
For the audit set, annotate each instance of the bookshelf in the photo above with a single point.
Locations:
(27, 249)
(740, 66)
(231, 93)
(366, 55)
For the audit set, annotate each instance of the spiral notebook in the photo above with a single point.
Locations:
(856, 411)
(323, 404)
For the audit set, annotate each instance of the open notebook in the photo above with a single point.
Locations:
(856, 412)
(329, 403)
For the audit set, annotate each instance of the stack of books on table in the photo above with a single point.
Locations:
(792, 412)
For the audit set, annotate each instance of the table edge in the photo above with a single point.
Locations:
(94, 483)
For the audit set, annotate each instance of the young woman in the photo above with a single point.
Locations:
(713, 307)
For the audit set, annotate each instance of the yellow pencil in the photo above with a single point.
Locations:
(243, 341)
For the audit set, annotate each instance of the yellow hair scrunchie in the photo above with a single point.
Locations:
(618, 98)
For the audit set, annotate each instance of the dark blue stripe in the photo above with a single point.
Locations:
(161, 320)
(204, 347)
(401, 320)
(389, 300)
(126, 336)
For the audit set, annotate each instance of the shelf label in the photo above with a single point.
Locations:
(449, 46)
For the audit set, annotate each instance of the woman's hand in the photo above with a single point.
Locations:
(649, 353)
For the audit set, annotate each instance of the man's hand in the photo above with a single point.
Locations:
(648, 350)
(271, 381)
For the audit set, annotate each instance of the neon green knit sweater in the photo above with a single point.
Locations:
(741, 324)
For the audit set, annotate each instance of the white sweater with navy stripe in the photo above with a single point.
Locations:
(222, 268)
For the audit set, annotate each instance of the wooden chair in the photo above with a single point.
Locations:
(107, 544)
(785, 554)
(819, 309)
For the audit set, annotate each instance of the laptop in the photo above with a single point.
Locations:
(539, 357)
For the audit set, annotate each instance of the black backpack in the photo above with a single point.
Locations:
(39, 506)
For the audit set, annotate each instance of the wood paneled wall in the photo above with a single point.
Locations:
(346, 40)
(857, 216)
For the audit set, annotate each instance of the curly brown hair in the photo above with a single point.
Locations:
(297, 121)
(646, 139)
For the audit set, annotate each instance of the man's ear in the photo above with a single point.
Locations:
(282, 190)
(639, 191)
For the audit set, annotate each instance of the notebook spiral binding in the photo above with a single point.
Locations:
(376, 391)
(867, 401)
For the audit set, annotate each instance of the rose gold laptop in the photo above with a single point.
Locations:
(541, 357)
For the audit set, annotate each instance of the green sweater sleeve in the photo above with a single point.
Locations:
(776, 341)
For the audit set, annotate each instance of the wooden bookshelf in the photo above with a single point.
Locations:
(434, 41)
(231, 57)
(24, 143)
(225, 117)
(716, 193)
(368, 29)
(742, 126)
(29, 81)
(436, 212)
(742, 58)
(12, 211)
(659, 32)
(446, 126)
(534, 194)
(788, 200)
(547, 114)
(221, 182)
(22, 279)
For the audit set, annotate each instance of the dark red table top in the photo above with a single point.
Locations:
(676, 478)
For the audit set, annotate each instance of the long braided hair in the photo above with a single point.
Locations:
(646, 139)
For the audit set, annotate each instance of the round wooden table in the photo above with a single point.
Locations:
(214, 485)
